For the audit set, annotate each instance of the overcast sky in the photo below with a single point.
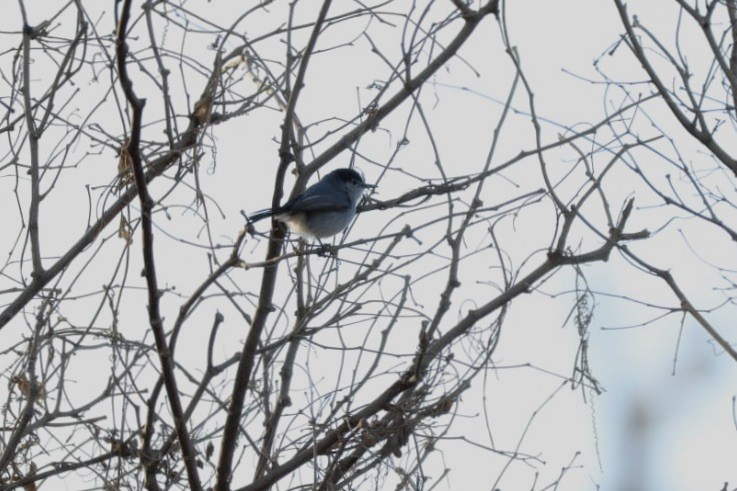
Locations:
(660, 424)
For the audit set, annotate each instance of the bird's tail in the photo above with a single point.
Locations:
(261, 214)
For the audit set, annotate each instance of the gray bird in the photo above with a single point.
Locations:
(324, 209)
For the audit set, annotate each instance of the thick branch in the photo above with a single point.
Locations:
(268, 282)
(133, 149)
(33, 137)
(155, 169)
(424, 357)
(32, 394)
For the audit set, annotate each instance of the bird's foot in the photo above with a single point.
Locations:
(327, 250)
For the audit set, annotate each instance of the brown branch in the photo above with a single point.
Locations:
(702, 135)
(553, 262)
(268, 282)
(465, 9)
(33, 137)
(62, 467)
(133, 150)
(732, 71)
(686, 305)
(155, 168)
(412, 376)
(333, 437)
(704, 21)
(375, 117)
(152, 459)
(31, 394)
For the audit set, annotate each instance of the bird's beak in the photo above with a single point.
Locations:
(368, 186)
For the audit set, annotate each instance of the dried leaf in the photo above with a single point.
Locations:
(125, 167)
(201, 111)
(25, 388)
(31, 472)
(125, 231)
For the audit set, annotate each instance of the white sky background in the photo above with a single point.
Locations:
(650, 430)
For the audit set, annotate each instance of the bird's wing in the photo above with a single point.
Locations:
(317, 198)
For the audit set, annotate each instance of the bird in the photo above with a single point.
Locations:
(323, 209)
